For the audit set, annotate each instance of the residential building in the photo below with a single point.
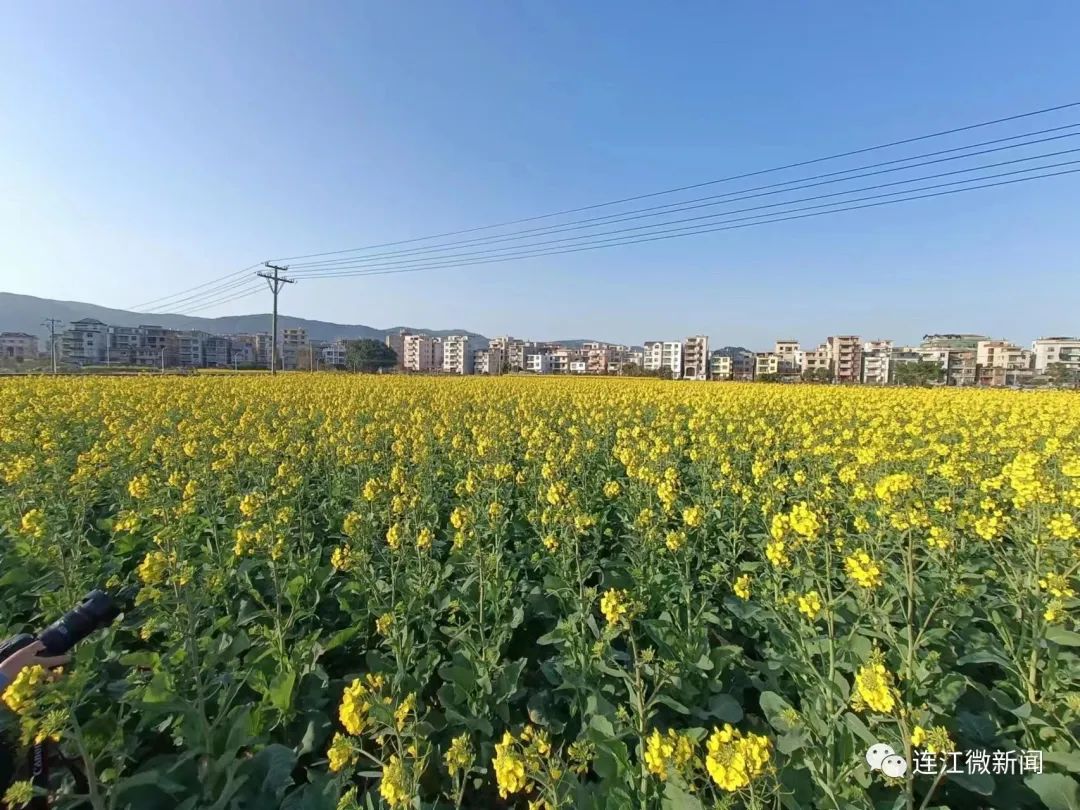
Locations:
(488, 361)
(216, 351)
(579, 366)
(720, 366)
(396, 342)
(622, 356)
(294, 342)
(457, 355)
(664, 355)
(695, 358)
(999, 362)
(185, 349)
(334, 353)
(18, 347)
(766, 363)
(84, 342)
(538, 363)
(600, 359)
(423, 353)
(562, 358)
(958, 364)
(816, 361)
(952, 341)
(846, 351)
(153, 346)
(1051, 350)
(790, 356)
(876, 362)
(250, 349)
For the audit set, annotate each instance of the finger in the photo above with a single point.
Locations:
(27, 653)
(50, 661)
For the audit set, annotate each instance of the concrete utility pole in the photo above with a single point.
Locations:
(51, 323)
(274, 282)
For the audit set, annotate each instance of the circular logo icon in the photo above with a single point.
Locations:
(894, 766)
(877, 753)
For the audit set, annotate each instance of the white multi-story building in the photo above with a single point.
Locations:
(489, 360)
(396, 342)
(817, 359)
(18, 347)
(790, 356)
(84, 342)
(877, 362)
(579, 366)
(1050, 350)
(664, 355)
(766, 363)
(720, 366)
(294, 342)
(423, 353)
(538, 363)
(457, 355)
(334, 353)
(695, 358)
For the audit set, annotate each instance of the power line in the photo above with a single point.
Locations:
(330, 272)
(192, 300)
(703, 230)
(672, 207)
(730, 178)
(361, 260)
(193, 308)
(247, 269)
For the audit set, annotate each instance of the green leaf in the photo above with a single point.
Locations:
(1057, 791)
(726, 708)
(272, 768)
(981, 783)
(775, 707)
(281, 690)
(1070, 760)
(341, 637)
(859, 729)
(1059, 635)
(675, 798)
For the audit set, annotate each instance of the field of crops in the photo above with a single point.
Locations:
(360, 592)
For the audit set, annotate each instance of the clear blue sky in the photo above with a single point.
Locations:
(147, 147)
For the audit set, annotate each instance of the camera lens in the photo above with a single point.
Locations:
(96, 610)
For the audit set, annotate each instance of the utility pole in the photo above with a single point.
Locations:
(274, 282)
(162, 359)
(51, 323)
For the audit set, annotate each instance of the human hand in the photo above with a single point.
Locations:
(28, 656)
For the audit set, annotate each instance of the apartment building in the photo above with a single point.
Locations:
(186, 349)
(334, 353)
(766, 363)
(457, 355)
(84, 342)
(294, 343)
(562, 358)
(664, 355)
(695, 358)
(538, 363)
(1051, 350)
(216, 351)
(18, 347)
(423, 353)
(250, 349)
(396, 342)
(846, 351)
(877, 362)
(790, 356)
(958, 364)
(814, 361)
(720, 367)
(489, 360)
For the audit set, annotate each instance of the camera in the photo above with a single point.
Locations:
(96, 610)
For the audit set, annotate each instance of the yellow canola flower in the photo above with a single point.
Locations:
(741, 586)
(874, 688)
(734, 760)
(509, 767)
(863, 570)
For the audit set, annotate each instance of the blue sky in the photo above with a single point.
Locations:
(145, 148)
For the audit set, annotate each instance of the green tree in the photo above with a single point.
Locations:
(923, 372)
(822, 375)
(369, 355)
(1059, 374)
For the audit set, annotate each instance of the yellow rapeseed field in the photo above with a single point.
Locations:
(360, 591)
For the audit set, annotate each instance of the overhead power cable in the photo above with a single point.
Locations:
(707, 201)
(711, 229)
(653, 227)
(234, 274)
(224, 299)
(307, 269)
(692, 186)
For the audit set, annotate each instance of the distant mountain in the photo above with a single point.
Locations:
(730, 351)
(25, 313)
